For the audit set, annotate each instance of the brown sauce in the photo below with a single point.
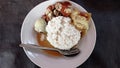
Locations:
(45, 43)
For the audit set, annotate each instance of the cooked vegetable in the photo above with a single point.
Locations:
(40, 25)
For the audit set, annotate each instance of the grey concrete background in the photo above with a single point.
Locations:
(105, 13)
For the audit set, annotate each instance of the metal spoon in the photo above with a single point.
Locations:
(69, 53)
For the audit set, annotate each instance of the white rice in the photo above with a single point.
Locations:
(61, 34)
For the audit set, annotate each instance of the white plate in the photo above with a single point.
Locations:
(29, 36)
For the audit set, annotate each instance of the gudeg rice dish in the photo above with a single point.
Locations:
(62, 26)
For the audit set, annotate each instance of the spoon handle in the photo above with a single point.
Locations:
(36, 46)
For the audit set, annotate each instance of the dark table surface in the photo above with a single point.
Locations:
(105, 13)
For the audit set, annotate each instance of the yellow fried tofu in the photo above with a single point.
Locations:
(81, 20)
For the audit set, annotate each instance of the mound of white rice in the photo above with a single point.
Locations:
(61, 34)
